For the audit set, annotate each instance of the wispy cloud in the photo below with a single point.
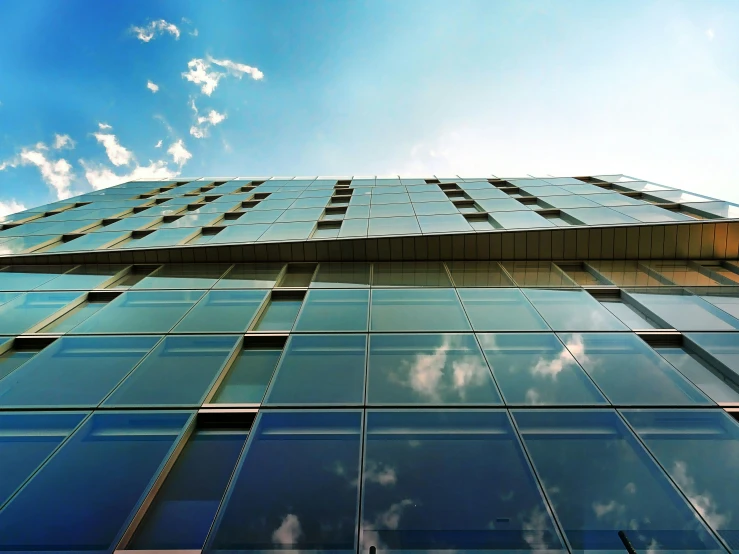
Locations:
(8, 207)
(104, 126)
(710, 34)
(55, 173)
(200, 73)
(63, 141)
(154, 29)
(179, 153)
(117, 154)
(152, 87)
(204, 122)
(158, 144)
(101, 177)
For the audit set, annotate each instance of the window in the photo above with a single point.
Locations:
(685, 312)
(222, 311)
(572, 310)
(478, 274)
(184, 276)
(31, 310)
(410, 274)
(250, 276)
(417, 310)
(250, 373)
(500, 310)
(334, 310)
(281, 311)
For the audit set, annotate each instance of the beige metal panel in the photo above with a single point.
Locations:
(445, 248)
(409, 249)
(420, 248)
(532, 245)
(383, 248)
(606, 250)
(619, 243)
(507, 246)
(645, 242)
(719, 240)
(371, 246)
(457, 247)
(482, 241)
(732, 241)
(632, 243)
(558, 244)
(694, 243)
(496, 246)
(545, 245)
(594, 244)
(396, 248)
(434, 247)
(569, 242)
(670, 247)
(470, 246)
(582, 248)
(519, 245)
(707, 240)
(658, 241)
(682, 244)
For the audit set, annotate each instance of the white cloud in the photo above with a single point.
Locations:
(204, 122)
(193, 32)
(179, 153)
(8, 207)
(101, 177)
(154, 28)
(289, 531)
(158, 144)
(152, 87)
(710, 34)
(57, 173)
(104, 126)
(117, 154)
(199, 72)
(63, 141)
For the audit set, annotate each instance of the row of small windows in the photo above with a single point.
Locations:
(347, 481)
(379, 369)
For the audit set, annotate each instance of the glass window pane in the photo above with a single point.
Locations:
(417, 310)
(342, 274)
(601, 481)
(599, 216)
(520, 220)
(536, 369)
(699, 449)
(26, 439)
(280, 313)
(184, 276)
(23, 278)
(179, 372)
(572, 310)
(84, 277)
(297, 275)
(320, 369)
(701, 374)
(183, 510)
(385, 226)
(249, 375)
(334, 310)
(630, 315)
(725, 298)
(410, 274)
(627, 274)
(13, 356)
(428, 369)
(478, 274)
(476, 491)
(722, 347)
(250, 276)
(222, 311)
(73, 317)
(141, 312)
(74, 372)
(629, 372)
(500, 310)
(685, 312)
(91, 485)
(28, 310)
(538, 274)
(307, 501)
(681, 273)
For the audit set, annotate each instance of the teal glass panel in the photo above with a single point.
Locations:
(417, 310)
(615, 199)
(478, 274)
(162, 237)
(393, 226)
(184, 508)
(410, 274)
(538, 274)
(74, 372)
(288, 231)
(722, 347)
(304, 469)
(184, 276)
(141, 312)
(710, 380)
(357, 212)
(179, 372)
(280, 313)
(536, 369)
(444, 224)
(21, 245)
(28, 310)
(297, 214)
(90, 241)
(251, 217)
(334, 310)
(222, 311)
(250, 276)
(26, 440)
(332, 275)
(521, 219)
(320, 369)
(630, 316)
(194, 220)
(652, 214)
(600, 481)
(84, 277)
(249, 375)
(428, 369)
(435, 208)
(685, 312)
(450, 481)
(74, 317)
(13, 357)
(699, 449)
(599, 216)
(385, 199)
(297, 275)
(132, 223)
(391, 210)
(502, 205)
(6, 297)
(569, 202)
(354, 228)
(25, 278)
(500, 310)
(573, 310)
(629, 372)
(81, 499)
(240, 233)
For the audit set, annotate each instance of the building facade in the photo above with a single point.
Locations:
(336, 364)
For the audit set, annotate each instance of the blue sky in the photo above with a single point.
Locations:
(308, 87)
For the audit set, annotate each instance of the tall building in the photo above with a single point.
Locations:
(337, 364)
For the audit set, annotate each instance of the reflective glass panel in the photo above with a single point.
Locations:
(726, 298)
(179, 372)
(682, 273)
(184, 276)
(183, 509)
(26, 439)
(724, 347)
(23, 278)
(410, 274)
(381, 226)
(320, 369)
(475, 492)
(341, 274)
(74, 372)
(538, 274)
(14, 356)
(84, 277)
(417, 310)
(297, 275)
(700, 451)
(685, 312)
(27, 310)
(629, 315)
(222, 311)
(249, 375)
(307, 501)
(520, 220)
(626, 274)
(500, 310)
(478, 274)
(572, 310)
(73, 317)
(334, 310)
(600, 481)
(536, 369)
(708, 379)
(629, 372)
(141, 312)
(280, 313)
(250, 276)
(82, 497)
(428, 369)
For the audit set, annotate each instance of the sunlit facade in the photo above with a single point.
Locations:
(335, 364)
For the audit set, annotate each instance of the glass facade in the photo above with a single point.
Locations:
(405, 396)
